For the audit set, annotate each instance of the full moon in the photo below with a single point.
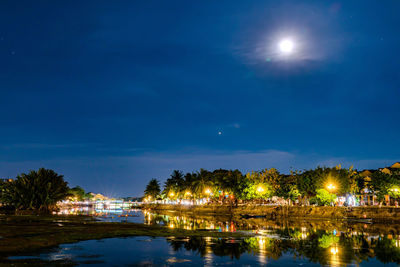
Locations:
(286, 46)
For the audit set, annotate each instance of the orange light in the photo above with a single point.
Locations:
(331, 187)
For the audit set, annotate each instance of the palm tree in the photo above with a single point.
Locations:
(152, 189)
(175, 184)
(201, 183)
(38, 190)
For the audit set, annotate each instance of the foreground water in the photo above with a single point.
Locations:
(297, 243)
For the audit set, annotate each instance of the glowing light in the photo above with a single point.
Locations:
(286, 46)
(260, 189)
(207, 191)
(334, 250)
(171, 194)
(331, 187)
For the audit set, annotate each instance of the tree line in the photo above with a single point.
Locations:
(320, 185)
(37, 191)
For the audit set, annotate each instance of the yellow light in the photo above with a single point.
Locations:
(171, 225)
(188, 193)
(331, 187)
(208, 191)
(260, 189)
(334, 251)
(261, 242)
(171, 194)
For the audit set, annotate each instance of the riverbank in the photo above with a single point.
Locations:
(375, 214)
(24, 234)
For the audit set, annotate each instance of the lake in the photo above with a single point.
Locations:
(284, 243)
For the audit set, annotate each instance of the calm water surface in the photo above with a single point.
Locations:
(297, 243)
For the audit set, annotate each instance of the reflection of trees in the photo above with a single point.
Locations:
(229, 248)
(355, 248)
(310, 248)
(351, 245)
(220, 247)
(270, 248)
(317, 246)
(195, 244)
(386, 250)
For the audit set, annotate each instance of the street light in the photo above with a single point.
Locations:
(260, 189)
(207, 191)
(331, 187)
(171, 194)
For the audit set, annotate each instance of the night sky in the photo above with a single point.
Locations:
(113, 93)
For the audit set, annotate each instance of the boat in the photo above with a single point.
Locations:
(358, 220)
(249, 216)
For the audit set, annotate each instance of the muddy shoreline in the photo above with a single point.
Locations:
(22, 234)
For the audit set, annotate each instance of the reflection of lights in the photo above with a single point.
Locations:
(304, 233)
(334, 250)
(261, 242)
(171, 225)
(334, 260)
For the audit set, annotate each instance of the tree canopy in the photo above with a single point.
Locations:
(38, 190)
(153, 189)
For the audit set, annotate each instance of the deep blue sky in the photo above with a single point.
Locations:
(111, 94)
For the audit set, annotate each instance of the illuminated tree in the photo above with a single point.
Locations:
(174, 184)
(345, 180)
(152, 189)
(78, 193)
(288, 187)
(254, 186)
(202, 181)
(382, 184)
(324, 197)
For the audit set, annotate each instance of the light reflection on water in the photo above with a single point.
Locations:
(306, 243)
(209, 251)
(106, 215)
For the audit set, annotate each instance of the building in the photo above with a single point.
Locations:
(389, 170)
(369, 197)
(366, 195)
(98, 197)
